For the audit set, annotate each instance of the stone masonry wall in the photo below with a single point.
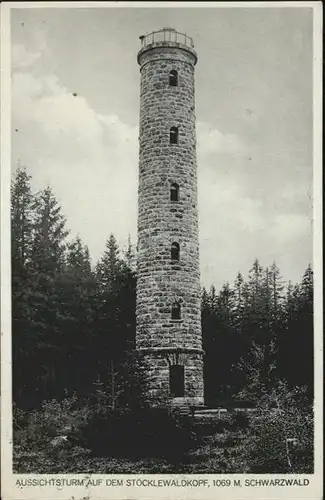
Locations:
(162, 222)
(158, 374)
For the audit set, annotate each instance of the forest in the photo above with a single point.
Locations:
(76, 373)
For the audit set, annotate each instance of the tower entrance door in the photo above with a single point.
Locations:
(176, 381)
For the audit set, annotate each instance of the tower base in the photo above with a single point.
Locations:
(175, 376)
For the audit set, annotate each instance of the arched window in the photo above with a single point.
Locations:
(173, 135)
(174, 251)
(173, 78)
(174, 192)
(176, 310)
(176, 381)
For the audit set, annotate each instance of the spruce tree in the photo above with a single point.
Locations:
(46, 266)
(77, 287)
(298, 340)
(21, 247)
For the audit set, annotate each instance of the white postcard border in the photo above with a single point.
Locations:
(9, 490)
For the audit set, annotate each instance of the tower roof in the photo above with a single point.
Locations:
(166, 37)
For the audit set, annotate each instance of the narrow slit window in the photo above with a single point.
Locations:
(176, 381)
(174, 192)
(174, 251)
(173, 78)
(173, 135)
(176, 310)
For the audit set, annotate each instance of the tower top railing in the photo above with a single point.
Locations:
(166, 35)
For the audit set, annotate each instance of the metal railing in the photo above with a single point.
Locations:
(166, 35)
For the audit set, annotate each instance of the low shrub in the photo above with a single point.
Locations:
(149, 432)
(212, 425)
(92, 429)
(77, 435)
(241, 421)
(282, 434)
(45, 439)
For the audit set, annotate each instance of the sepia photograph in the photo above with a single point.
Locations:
(162, 254)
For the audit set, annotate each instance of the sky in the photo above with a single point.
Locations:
(254, 125)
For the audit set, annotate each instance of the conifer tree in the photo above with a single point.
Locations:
(297, 341)
(21, 219)
(47, 263)
(108, 267)
(115, 306)
(21, 241)
(77, 287)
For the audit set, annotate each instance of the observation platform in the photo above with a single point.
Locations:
(166, 37)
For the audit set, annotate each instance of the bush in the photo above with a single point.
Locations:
(240, 421)
(45, 439)
(147, 432)
(213, 425)
(283, 433)
(64, 418)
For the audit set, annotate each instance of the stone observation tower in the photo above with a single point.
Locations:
(168, 284)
